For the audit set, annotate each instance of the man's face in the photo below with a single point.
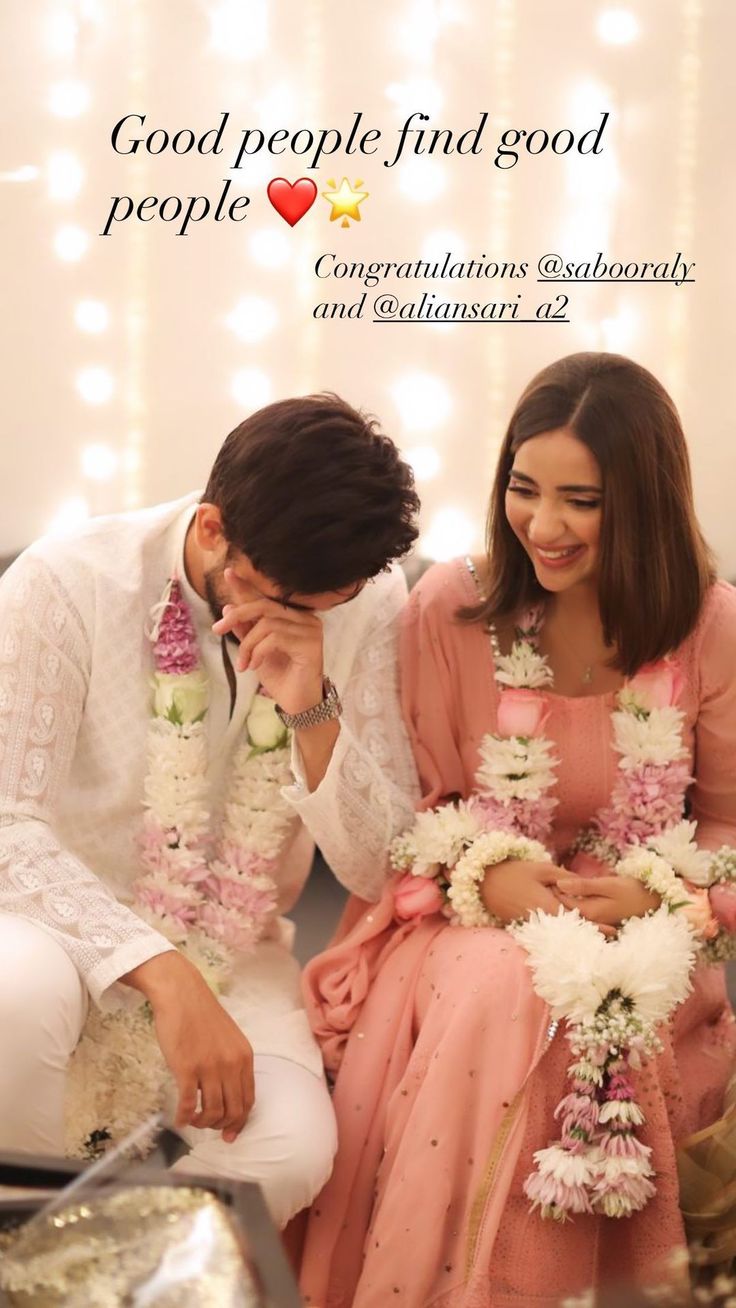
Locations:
(219, 592)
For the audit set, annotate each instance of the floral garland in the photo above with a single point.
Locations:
(211, 896)
(722, 895)
(613, 994)
(228, 896)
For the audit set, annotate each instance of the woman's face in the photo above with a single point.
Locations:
(553, 504)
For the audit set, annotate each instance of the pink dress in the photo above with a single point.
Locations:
(448, 1076)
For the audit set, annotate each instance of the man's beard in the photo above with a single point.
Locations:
(212, 591)
(216, 599)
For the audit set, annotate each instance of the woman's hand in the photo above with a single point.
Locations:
(607, 901)
(205, 1050)
(514, 888)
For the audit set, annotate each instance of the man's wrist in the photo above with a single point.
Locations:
(158, 976)
(325, 707)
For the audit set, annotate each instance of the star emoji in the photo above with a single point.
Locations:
(345, 201)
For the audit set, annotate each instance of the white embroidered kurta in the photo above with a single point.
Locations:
(75, 702)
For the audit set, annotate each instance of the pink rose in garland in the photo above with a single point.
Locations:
(417, 897)
(698, 911)
(521, 713)
(723, 903)
(657, 685)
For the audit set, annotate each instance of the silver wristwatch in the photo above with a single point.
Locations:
(328, 708)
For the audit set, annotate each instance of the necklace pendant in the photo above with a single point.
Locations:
(588, 675)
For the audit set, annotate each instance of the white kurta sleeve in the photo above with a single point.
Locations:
(44, 664)
(369, 791)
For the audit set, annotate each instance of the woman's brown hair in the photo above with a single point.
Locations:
(655, 565)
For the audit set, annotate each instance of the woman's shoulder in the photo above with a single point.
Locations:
(443, 589)
(717, 619)
(713, 642)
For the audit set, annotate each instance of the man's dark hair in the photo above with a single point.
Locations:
(315, 495)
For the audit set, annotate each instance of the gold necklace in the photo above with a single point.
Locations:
(588, 669)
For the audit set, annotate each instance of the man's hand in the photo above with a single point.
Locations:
(205, 1050)
(607, 901)
(514, 888)
(284, 646)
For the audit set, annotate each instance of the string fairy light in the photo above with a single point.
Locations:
(501, 75)
(99, 461)
(95, 384)
(239, 32)
(450, 533)
(92, 316)
(423, 400)
(309, 338)
(689, 71)
(251, 388)
(425, 461)
(136, 315)
(252, 318)
(64, 175)
(71, 243)
(617, 26)
(69, 98)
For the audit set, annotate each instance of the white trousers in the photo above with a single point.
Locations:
(287, 1145)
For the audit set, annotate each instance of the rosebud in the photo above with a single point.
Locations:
(521, 713)
(263, 724)
(416, 897)
(657, 685)
(723, 902)
(180, 697)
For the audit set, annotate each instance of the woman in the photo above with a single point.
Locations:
(449, 1069)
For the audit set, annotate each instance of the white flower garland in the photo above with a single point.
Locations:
(488, 848)
(524, 668)
(439, 836)
(516, 767)
(657, 874)
(613, 995)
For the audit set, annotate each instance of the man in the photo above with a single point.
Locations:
(282, 566)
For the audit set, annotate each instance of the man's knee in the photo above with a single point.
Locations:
(296, 1174)
(309, 1152)
(288, 1144)
(40, 988)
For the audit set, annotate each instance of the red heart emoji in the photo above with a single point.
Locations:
(292, 200)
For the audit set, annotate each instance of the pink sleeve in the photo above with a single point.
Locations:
(713, 795)
(426, 686)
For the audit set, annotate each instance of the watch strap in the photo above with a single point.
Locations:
(328, 708)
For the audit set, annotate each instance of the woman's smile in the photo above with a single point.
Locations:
(553, 504)
(558, 558)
